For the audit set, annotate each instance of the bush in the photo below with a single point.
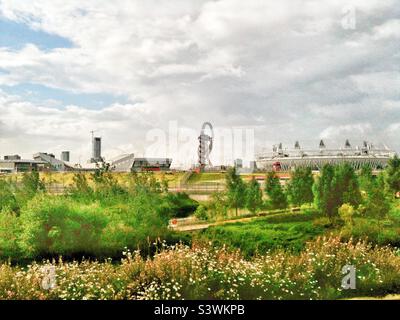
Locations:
(289, 231)
(179, 205)
(346, 213)
(55, 225)
(9, 232)
(7, 197)
(201, 213)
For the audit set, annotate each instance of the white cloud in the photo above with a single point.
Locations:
(288, 66)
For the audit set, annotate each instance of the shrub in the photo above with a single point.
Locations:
(179, 205)
(7, 197)
(346, 213)
(55, 225)
(218, 205)
(9, 232)
(201, 213)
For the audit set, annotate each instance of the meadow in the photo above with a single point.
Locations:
(107, 236)
(204, 272)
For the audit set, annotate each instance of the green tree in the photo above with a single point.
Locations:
(393, 175)
(276, 196)
(376, 203)
(324, 197)
(365, 178)
(336, 186)
(7, 197)
(346, 185)
(219, 205)
(236, 190)
(253, 196)
(300, 187)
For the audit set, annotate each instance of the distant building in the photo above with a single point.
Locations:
(358, 156)
(65, 156)
(53, 163)
(238, 163)
(123, 163)
(12, 157)
(151, 164)
(96, 150)
(128, 163)
(21, 165)
(253, 166)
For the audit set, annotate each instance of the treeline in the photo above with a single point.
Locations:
(336, 191)
(97, 217)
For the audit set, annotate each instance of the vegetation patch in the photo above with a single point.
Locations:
(281, 231)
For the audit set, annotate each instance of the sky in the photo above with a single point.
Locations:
(145, 75)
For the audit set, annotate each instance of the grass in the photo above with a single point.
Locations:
(66, 178)
(289, 231)
(207, 177)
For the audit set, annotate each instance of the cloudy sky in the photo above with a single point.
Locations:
(289, 70)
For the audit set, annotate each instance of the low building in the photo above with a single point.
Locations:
(54, 164)
(21, 165)
(13, 157)
(123, 163)
(151, 164)
(128, 163)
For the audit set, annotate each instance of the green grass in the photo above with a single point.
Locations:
(382, 233)
(289, 231)
(207, 177)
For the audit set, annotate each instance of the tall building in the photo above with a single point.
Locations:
(65, 156)
(96, 150)
(238, 163)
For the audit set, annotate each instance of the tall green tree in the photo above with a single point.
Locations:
(236, 190)
(253, 196)
(365, 178)
(336, 186)
(299, 189)
(393, 175)
(346, 185)
(376, 203)
(324, 196)
(276, 196)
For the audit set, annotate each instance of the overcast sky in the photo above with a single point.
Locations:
(288, 69)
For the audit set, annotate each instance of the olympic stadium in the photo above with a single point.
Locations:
(283, 159)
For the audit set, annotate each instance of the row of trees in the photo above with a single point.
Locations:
(240, 194)
(335, 186)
